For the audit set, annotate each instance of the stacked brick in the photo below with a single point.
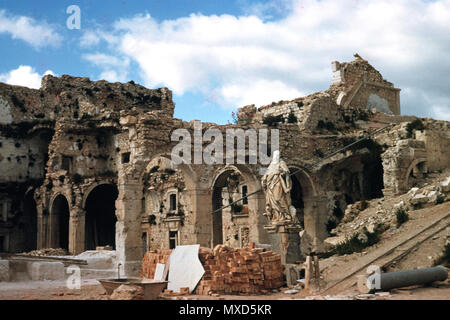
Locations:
(239, 271)
(228, 270)
(151, 258)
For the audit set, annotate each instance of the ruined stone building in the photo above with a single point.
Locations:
(86, 164)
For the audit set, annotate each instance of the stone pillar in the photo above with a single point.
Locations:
(77, 231)
(40, 228)
(202, 208)
(285, 240)
(315, 216)
(128, 229)
(258, 233)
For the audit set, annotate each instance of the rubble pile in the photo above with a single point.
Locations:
(127, 292)
(359, 216)
(151, 258)
(239, 271)
(48, 252)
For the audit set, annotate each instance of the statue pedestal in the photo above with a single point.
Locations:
(285, 240)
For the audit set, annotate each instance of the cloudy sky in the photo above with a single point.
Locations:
(218, 55)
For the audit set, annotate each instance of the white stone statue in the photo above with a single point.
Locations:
(277, 186)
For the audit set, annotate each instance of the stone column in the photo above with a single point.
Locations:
(257, 203)
(77, 231)
(202, 208)
(40, 228)
(315, 216)
(128, 229)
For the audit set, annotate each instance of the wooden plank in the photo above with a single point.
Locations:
(21, 256)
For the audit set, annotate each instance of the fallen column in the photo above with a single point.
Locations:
(399, 279)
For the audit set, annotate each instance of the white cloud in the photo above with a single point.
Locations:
(89, 38)
(258, 92)
(114, 68)
(24, 76)
(248, 59)
(36, 34)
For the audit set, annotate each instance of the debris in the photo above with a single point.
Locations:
(383, 294)
(365, 296)
(445, 185)
(47, 252)
(291, 291)
(128, 292)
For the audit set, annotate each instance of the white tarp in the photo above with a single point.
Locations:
(185, 268)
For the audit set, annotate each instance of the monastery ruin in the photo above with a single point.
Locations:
(85, 164)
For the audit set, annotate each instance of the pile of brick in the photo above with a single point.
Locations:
(151, 258)
(239, 271)
(228, 270)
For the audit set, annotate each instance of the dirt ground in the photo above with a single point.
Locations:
(92, 291)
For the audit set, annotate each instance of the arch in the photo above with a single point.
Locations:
(59, 225)
(302, 191)
(253, 183)
(100, 218)
(420, 164)
(92, 187)
(227, 186)
(304, 178)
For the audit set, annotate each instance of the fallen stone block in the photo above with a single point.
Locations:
(432, 196)
(413, 191)
(38, 271)
(419, 199)
(400, 205)
(4, 271)
(445, 185)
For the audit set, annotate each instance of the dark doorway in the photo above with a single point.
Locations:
(30, 222)
(61, 216)
(101, 216)
(297, 198)
(373, 178)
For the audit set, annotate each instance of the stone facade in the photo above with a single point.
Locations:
(86, 164)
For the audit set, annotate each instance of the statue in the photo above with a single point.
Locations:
(277, 186)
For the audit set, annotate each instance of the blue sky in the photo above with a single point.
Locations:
(217, 56)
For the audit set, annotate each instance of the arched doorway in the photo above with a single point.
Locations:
(30, 222)
(100, 223)
(60, 222)
(415, 173)
(229, 224)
